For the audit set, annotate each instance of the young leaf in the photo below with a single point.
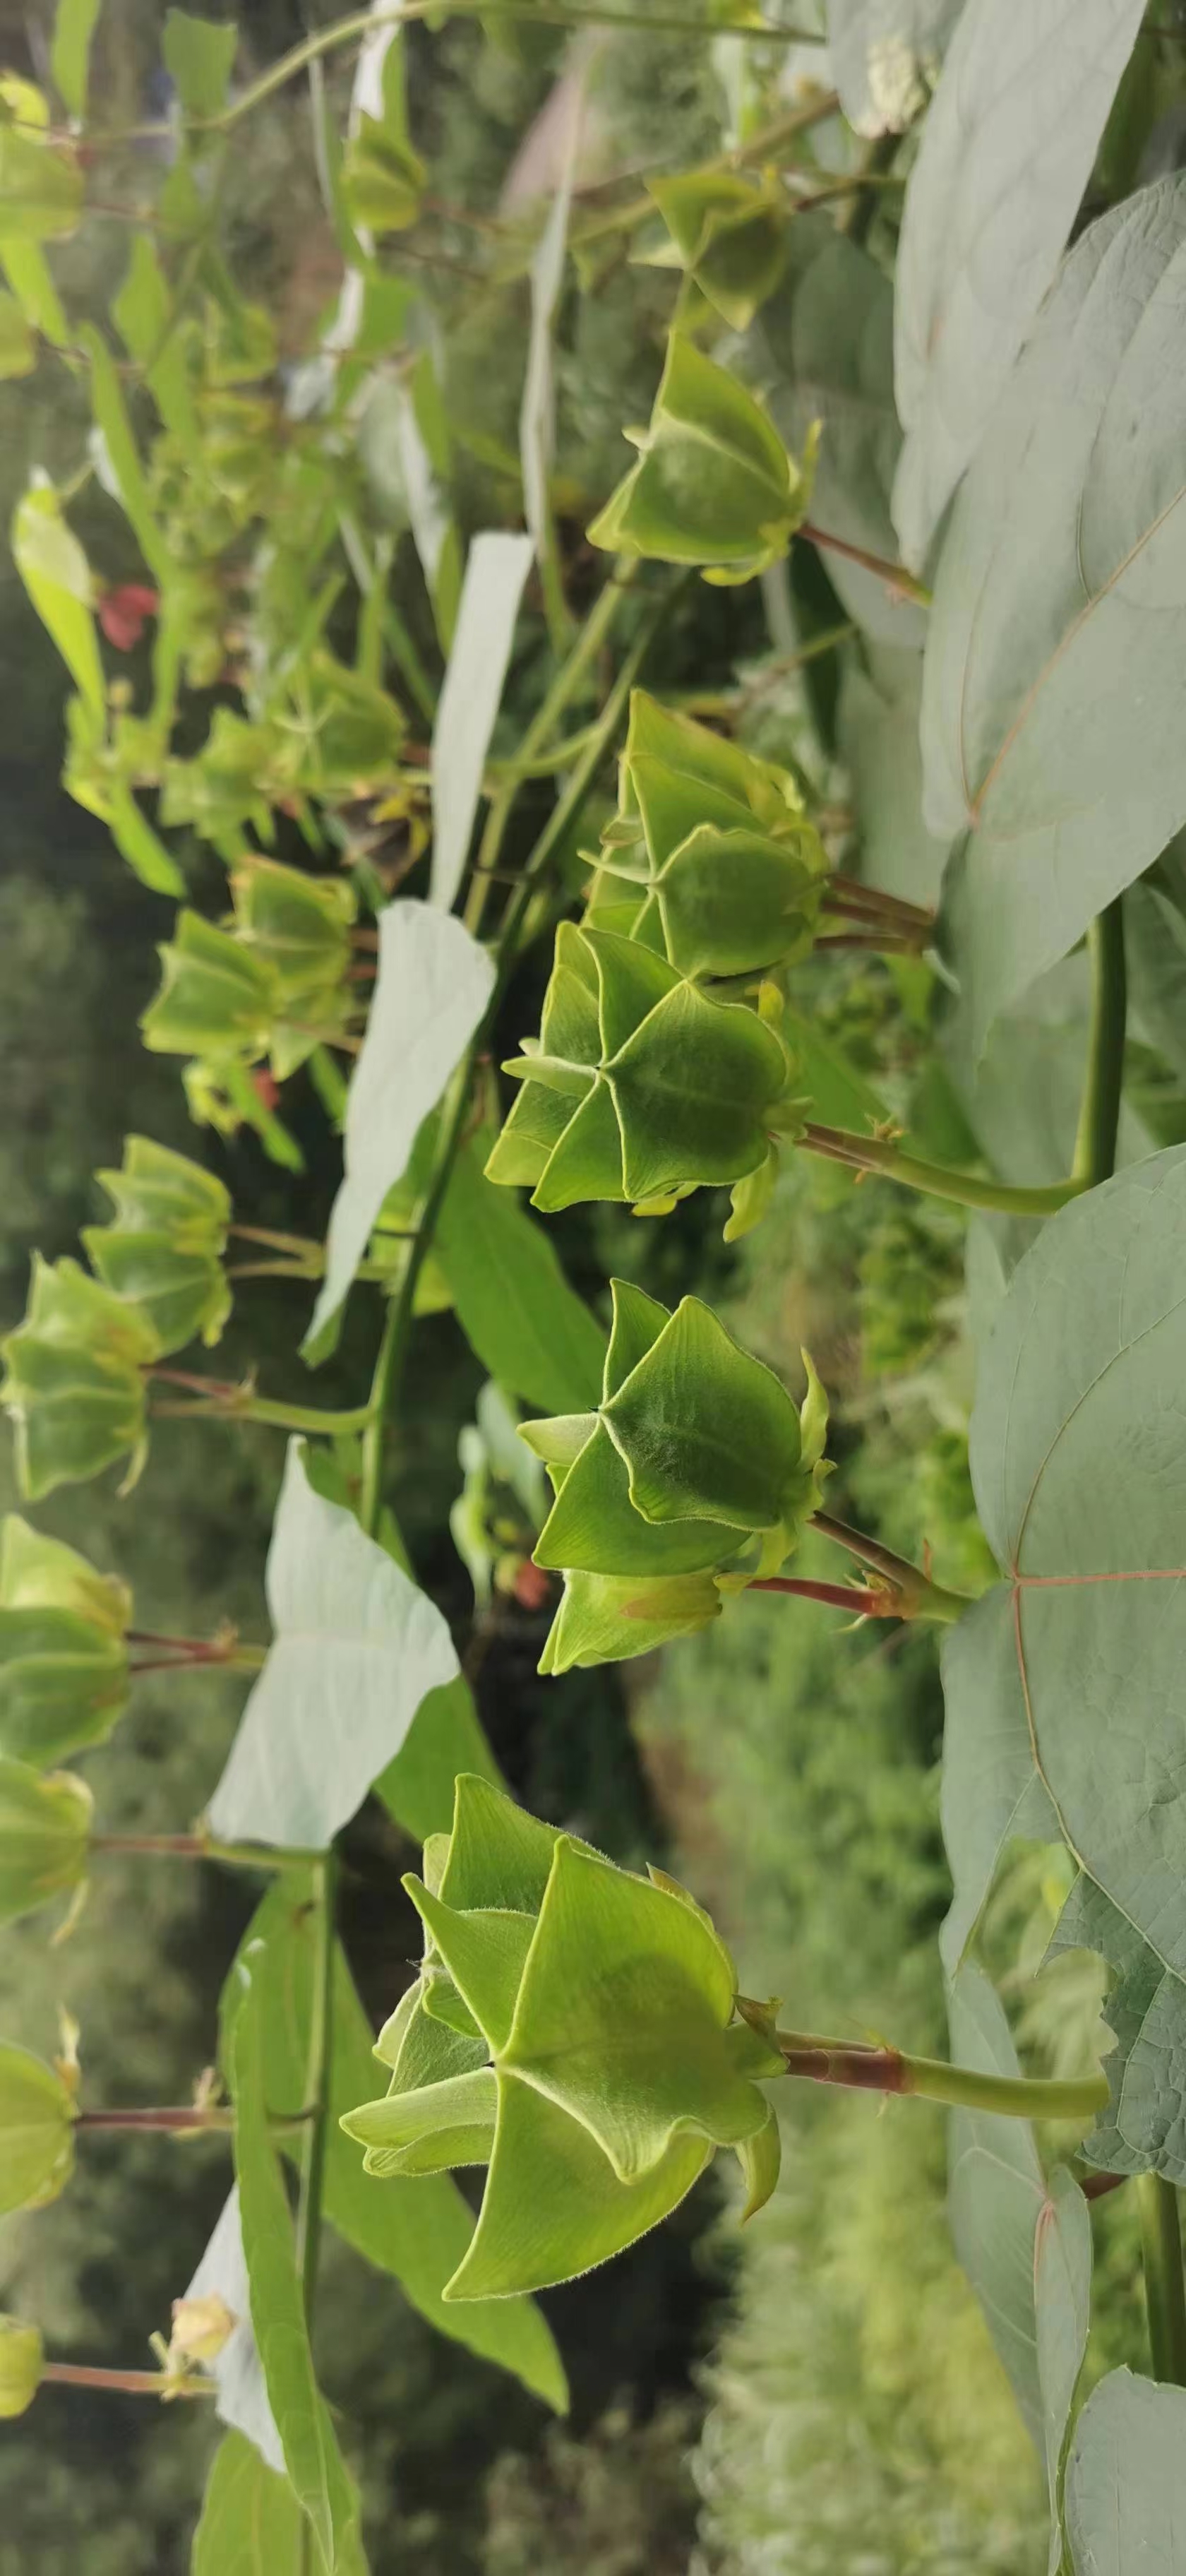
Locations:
(883, 53)
(56, 575)
(1025, 2246)
(496, 569)
(69, 61)
(432, 988)
(1126, 2480)
(355, 1650)
(1005, 156)
(251, 2522)
(415, 2231)
(1049, 720)
(324, 2488)
(714, 486)
(1080, 1480)
(199, 58)
(513, 1301)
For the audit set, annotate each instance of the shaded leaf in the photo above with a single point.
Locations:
(1126, 2480)
(69, 61)
(251, 2522)
(1144, 2126)
(1050, 703)
(1005, 156)
(513, 1301)
(199, 57)
(356, 1648)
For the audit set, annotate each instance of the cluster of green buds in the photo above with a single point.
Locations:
(729, 235)
(272, 982)
(574, 2029)
(714, 486)
(694, 1477)
(710, 858)
(75, 1367)
(64, 1674)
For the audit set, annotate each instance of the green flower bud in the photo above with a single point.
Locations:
(225, 785)
(216, 1000)
(74, 1382)
(63, 1659)
(163, 1252)
(639, 1087)
(710, 859)
(696, 1473)
(21, 2361)
(354, 731)
(298, 928)
(45, 1833)
(728, 234)
(36, 2130)
(574, 2030)
(714, 485)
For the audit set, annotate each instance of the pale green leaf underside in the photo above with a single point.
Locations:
(496, 569)
(1126, 2480)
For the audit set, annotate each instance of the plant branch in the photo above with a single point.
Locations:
(124, 2383)
(178, 2119)
(1165, 2294)
(964, 1189)
(1099, 1116)
(919, 1597)
(261, 1856)
(895, 576)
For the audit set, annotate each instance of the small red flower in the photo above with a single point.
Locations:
(122, 613)
(532, 1586)
(265, 1089)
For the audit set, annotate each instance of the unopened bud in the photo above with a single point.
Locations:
(21, 2361)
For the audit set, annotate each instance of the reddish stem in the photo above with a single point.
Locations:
(125, 2383)
(838, 1596)
(895, 576)
(173, 2117)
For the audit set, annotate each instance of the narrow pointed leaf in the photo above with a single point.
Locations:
(496, 568)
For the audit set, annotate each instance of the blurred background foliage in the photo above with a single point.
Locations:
(820, 2395)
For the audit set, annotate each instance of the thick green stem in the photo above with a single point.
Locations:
(931, 2079)
(1165, 2293)
(1099, 1117)
(317, 2080)
(237, 1407)
(964, 1189)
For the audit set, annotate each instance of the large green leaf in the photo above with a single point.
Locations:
(878, 720)
(1050, 698)
(512, 1299)
(1126, 2480)
(417, 2231)
(496, 568)
(251, 2522)
(356, 1648)
(324, 2487)
(1025, 2245)
(822, 349)
(1005, 156)
(431, 990)
(882, 54)
(1064, 1684)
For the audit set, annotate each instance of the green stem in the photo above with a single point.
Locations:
(1165, 2291)
(262, 1856)
(1099, 1117)
(177, 2119)
(123, 2383)
(964, 1189)
(931, 2079)
(919, 1597)
(317, 2081)
(304, 1418)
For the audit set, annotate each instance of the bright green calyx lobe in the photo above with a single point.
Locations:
(21, 2361)
(710, 859)
(727, 233)
(162, 1251)
(714, 485)
(573, 2030)
(63, 1656)
(696, 1473)
(639, 1087)
(45, 1832)
(271, 981)
(74, 1382)
(36, 2130)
